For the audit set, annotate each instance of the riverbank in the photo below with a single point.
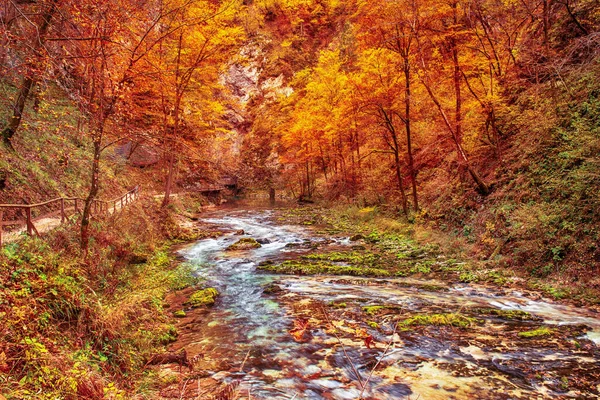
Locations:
(428, 247)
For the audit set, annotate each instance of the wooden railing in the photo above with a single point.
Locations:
(98, 207)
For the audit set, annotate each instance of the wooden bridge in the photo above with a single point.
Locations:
(66, 207)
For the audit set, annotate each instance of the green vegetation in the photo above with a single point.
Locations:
(373, 324)
(338, 305)
(204, 297)
(355, 257)
(539, 332)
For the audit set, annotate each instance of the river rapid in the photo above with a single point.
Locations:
(317, 337)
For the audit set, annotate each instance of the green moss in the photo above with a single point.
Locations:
(338, 305)
(302, 267)
(168, 336)
(245, 244)
(433, 288)
(447, 319)
(542, 331)
(468, 277)
(372, 310)
(421, 268)
(373, 324)
(354, 257)
(506, 314)
(204, 297)
(179, 314)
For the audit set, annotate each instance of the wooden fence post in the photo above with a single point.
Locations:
(28, 218)
(62, 211)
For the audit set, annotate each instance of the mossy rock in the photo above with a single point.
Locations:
(372, 310)
(539, 332)
(204, 297)
(304, 267)
(511, 315)
(447, 319)
(245, 244)
(272, 288)
(179, 314)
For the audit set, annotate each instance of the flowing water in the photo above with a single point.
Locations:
(246, 334)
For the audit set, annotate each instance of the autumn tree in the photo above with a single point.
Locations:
(188, 64)
(107, 41)
(392, 26)
(439, 43)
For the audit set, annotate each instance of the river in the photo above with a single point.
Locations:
(275, 335)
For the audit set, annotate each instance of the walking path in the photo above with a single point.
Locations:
(46, 222)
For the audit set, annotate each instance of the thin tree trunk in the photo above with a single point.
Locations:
(400, 185)
(411, 164)
(272, 195)
(94, 187)
(28, 81)
(19, 106)
(170, 145)
(169, 180)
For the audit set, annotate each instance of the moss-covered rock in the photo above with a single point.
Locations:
(204, 297)
(372, 310)
(539, 332)
(517, 315)
(447, 319)
(304, 267)
(179, 314)
(245, 244)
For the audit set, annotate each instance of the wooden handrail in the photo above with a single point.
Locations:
(98, 206)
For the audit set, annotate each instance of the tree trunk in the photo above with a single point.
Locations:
(169, 180)
(94, 187)
(400, 184)
(411, 164)
(272, 195)
(19, 106)
(28, 80)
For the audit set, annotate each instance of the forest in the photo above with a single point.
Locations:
(436, 145)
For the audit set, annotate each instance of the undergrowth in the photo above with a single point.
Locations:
(75, 326)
